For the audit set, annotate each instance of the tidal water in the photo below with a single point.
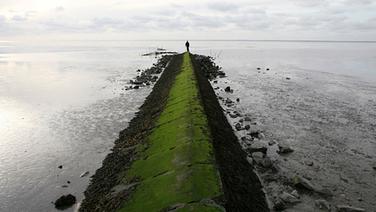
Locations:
(63, 102)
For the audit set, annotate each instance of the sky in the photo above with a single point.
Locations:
(188, 19)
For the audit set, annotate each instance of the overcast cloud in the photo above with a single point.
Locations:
(193, 19)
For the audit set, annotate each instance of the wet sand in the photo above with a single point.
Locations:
(328, 120)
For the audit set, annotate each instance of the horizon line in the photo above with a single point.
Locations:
(213, 40)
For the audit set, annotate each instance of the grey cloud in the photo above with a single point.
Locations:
(318, 17)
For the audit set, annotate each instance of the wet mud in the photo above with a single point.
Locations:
(310, 135)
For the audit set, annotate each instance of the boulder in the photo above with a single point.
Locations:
(229, 101)
(309, 163)
(257, 157)
(257, 147)
(250, 160)
(266, 162)
(322, 204)
(228, 89)
(271, 143)
(301, 182)
(295, 194)
(279, 205)
(233, 115)
(247, 119)
(255, 134)
(288, 198)
(65, 201)
(284, 149)
(238, 126)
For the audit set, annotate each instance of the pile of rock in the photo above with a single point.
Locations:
(149, 75)
(211, 70)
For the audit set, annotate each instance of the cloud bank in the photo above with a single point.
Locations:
(204, 19)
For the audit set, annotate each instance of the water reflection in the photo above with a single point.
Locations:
(60, 109)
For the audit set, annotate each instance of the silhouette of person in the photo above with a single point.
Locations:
(187, 45)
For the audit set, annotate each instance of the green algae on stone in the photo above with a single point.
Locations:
(178, 167)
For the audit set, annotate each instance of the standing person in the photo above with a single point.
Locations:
(187, 45)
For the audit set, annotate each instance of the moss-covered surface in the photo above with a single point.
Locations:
(177, 169)
(164, 159)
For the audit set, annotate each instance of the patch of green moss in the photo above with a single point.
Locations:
(178, 165)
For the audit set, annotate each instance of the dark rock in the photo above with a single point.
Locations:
(238, 100)
(64, 186)
(137, 82)
(288, 78)
(295, 194)
(65, 202)
(268, 69)
(60, 167)
(322, 204)
(279, 205)
(229, 101)
(250, 160)
(68, 182)
(215, 81)
(238, 126)
(346, 208)
(271, 143)
(136, 87)
(303, 183)
(233, 115)
(258, 68)
(247, 127)
(154, 78)
(228, 89)
(257, 157)
(255, 134)
(284, 149)
(247, 119)
(309, 163)
(288, 198)
(266, 162)
(257, 147)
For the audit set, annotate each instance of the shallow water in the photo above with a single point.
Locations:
(63, 104)
(60, 107)
(329, 119)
